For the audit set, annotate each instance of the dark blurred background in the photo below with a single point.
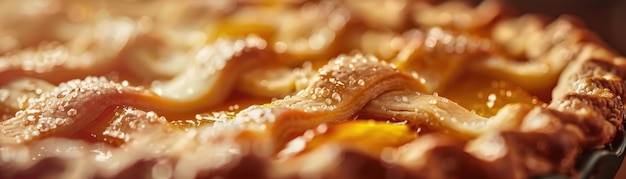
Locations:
(605, 17)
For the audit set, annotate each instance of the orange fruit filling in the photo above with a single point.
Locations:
(485, 96)
(368, 136)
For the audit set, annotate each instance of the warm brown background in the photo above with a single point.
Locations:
(605, 17)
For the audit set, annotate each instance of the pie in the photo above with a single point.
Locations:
(300, 89)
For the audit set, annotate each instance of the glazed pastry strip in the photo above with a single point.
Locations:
(345, 85)
(336, 96)
(438, 113)
(72, 105)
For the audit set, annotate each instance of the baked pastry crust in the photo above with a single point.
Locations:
(585, 111)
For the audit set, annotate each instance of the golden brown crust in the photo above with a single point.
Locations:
(586, 111)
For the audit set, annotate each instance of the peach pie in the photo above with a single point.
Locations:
(300, 89)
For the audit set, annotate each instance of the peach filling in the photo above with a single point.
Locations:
(486, 96)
